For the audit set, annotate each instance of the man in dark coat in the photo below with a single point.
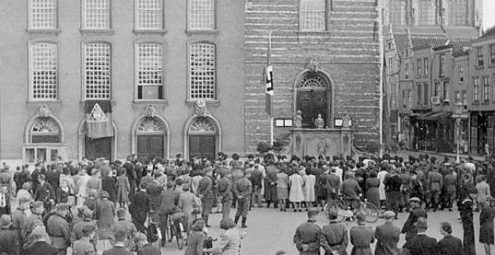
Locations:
(40, 246)
(169, 200)
(21, 176)
(333, 186)
(449, 245)
(10, 242)
(334, 238)
(421, 244)
(416, 212)
(140, 208)
(361, 236)
(119, 247)
(131, 175)
(393, 183)
(44, 192)
(271, 185)
(435, 184)
(225, 194)
(307, 235)
(242, 191)
(387, 236)
(256, 180)
(53, 177)
(205, 193)
(58, 229)
(145, 248)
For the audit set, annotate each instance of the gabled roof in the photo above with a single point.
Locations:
(489, 34)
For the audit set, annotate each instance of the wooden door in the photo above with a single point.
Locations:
(150, 146)
(202, 146)
(98, 148)
(311, 103)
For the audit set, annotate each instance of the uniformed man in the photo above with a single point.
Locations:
(225, 193)
(393, 183)
(84, 245)
(58, 229)
(307, 235)
(9, 238)
(334, 239)
(416, 212)
(450, 183)
(34, 219)
(205, 193)
(77, 230)
(361, 236)
(242, 191)
(387, 236)
(421, 244)
(435, 183)
(19, 218)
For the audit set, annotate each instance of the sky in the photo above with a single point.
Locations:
(488, 14)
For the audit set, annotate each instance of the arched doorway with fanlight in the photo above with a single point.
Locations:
(314, 96)
(150, 138)
(202, 137)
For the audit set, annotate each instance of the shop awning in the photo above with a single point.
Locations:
(434, 115)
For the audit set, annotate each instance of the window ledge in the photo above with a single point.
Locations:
(477, 67)
(215, 102)
(149, 31)
(324, 32)
(206, 32)
(150, 101)
(54, 31)
(112, 101)
(97, 31)
(32, 101)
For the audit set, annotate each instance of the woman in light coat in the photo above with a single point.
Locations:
(296, 194)
(309, 187)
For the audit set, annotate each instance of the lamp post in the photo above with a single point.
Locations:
(458, 116)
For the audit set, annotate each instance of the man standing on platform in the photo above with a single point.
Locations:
(307, 235)
(387, 236)
(242, 191)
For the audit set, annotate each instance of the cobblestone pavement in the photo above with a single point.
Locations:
(270, 230)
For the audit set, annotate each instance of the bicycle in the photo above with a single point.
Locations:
(176, 227)
(153, 232)
(346, 211)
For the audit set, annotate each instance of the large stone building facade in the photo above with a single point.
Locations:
(326, 60)
(110, 78)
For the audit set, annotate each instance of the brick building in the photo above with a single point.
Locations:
(109, 78)
(325, 56)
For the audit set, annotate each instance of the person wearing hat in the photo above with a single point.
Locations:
(124, 224)
(85, 215)
(387, 236)
(187, 203)
(9, 238)
(105, 214)
(225, 193)
(242, 191)
(361, 236)
(435, 184)
(169, 202)
(334, 238)
(58, 229)
(140, 207)
(449, 245)
(119, 246)
(39, 245)
(34, 219)
(45, 191)
(195, 242)
(84, 246)
(19, 217)
(205, 193)
(393, 183)
(307, 236)
(144, 247)
(421, 244)
(229, 241)
(415, 213)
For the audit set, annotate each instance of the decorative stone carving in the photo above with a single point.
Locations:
(44, 111)
(314, 65)
(298, 119)
(200, 108)
(97, 115)
(346, 120)
(319, 122)
(149, 112)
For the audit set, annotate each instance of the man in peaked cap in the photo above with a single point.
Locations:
(10, 242)
(58, 229)
(416, 212)
(307, 235)
(334, 238)
(387, 236)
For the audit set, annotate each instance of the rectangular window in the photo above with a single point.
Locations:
(96, 14)
(427, 12)
(404, 98)
(409, 98)
(149, 71)
(406, 71)
(476, 87)
(419, 95)
(492, 53)
(44, 71)
(149, 14)
(390, 61)
(464, 97)
(458, 12)
(202, 71)
(486, 89)
(437, 89)
(397, 12)
(312, 15)
(419, 66)
(441, 65)
(426, 66)
(43, 14)
(458, 97)
(201, 15)
(445, 90)
(97, 71)
(461, 74)
(425, 91)
(479, 54)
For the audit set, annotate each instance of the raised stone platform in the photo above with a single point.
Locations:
(321, 142)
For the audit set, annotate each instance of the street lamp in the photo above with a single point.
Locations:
(458, 116)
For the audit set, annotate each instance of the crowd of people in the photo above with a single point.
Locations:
(92, 207)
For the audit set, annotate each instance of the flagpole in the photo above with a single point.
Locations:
(271, 105)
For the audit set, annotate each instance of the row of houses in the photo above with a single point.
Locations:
(441, 89)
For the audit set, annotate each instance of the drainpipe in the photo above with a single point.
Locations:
(381, 86)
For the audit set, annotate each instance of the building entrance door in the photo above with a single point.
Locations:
(98, 148)
(149, 147)
(311, 103)
(202, 146)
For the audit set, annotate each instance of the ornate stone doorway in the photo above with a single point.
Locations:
(202, 138)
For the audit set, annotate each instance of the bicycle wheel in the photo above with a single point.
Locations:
(178, 235)
(370, 210)
(342, 211)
